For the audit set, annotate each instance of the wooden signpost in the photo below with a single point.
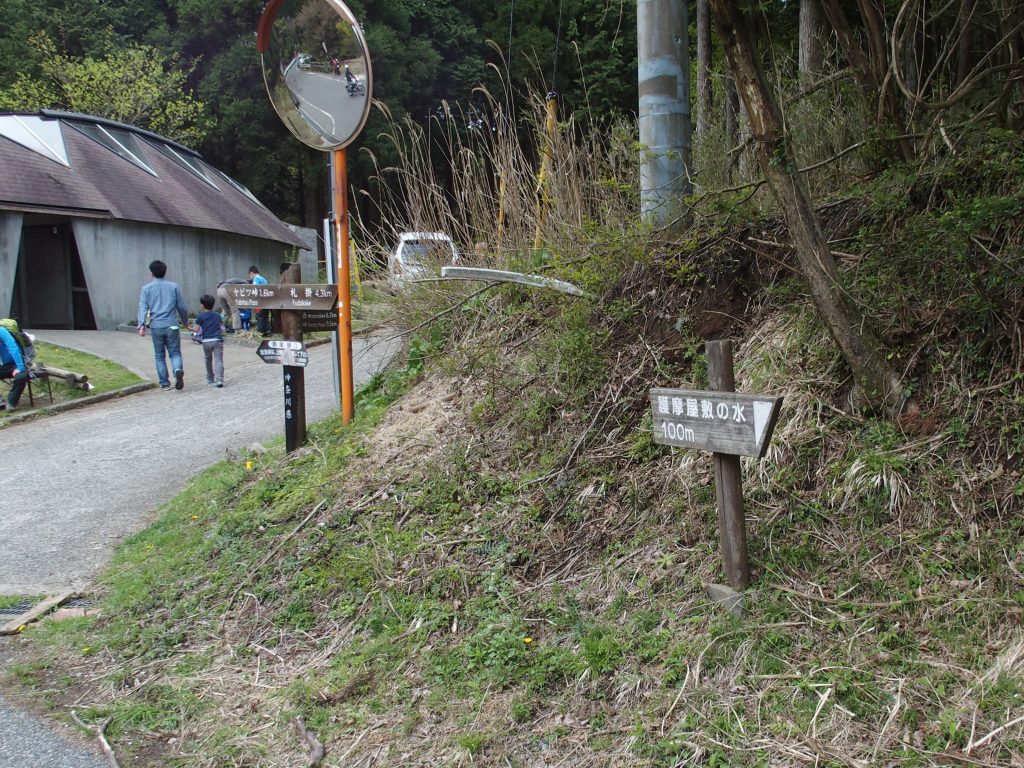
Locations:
(292, 300)
(729, 425)
(294, 376)
(721, 422)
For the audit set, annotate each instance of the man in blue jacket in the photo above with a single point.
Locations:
(162, 300)
(12, 366)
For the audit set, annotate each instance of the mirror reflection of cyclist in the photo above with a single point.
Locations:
(349, 76)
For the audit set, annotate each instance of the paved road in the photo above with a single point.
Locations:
(76, 483)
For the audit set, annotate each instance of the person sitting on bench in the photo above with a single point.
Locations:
(12, 366)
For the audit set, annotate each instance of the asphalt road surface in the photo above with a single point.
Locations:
(76, 483)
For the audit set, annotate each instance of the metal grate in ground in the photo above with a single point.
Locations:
(79, 602)
(18, 608)
(14, 617)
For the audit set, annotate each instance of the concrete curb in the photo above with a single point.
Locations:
(81, 402)
(20, 416)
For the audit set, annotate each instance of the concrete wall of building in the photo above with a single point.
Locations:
(116, 255)
(10, 242)
(308, 259)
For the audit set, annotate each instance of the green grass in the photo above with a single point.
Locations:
(8, 601)
(104, 375)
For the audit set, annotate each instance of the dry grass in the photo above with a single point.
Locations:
(506, 571)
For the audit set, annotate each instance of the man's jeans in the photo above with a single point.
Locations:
(17, 384)
(169, 340)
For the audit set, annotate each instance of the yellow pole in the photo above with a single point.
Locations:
(551, 102)
(344, 287)
(353, 256)
(501, 209)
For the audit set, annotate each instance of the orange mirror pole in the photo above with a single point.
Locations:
(344, 286)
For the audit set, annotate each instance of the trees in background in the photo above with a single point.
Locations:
(923, 76)
(132, 85)
(428, 60)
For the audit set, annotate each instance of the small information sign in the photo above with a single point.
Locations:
(281, 352)
(320, 320)
(300, 297)
(721, 422)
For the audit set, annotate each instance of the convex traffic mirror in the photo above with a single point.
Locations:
(317, 70)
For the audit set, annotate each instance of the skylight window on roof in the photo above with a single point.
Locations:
(41, 136)
(186, 161)
(121, 143)
(241, 188)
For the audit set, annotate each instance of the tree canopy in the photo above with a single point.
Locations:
(131, 85)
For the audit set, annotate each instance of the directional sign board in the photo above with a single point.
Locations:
(297, 296)
(320, 320)
(722, 422)
(283, 353)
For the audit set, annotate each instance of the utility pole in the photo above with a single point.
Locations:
(664, 78)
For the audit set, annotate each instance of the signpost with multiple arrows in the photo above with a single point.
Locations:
(292, 300)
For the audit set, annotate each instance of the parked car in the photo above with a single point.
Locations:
(419, 254)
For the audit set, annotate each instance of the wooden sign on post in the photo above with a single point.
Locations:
(722, 422)
(729, 425)
(299, 296)
(290, 296)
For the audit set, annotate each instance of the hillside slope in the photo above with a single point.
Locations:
(497, 566)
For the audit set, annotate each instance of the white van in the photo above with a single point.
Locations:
(419, 254)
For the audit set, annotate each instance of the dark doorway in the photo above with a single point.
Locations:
(50, 289)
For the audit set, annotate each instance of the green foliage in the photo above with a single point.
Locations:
(956, 252)
(131, 85)
(474, 743)
(421, 348)
(601, 651)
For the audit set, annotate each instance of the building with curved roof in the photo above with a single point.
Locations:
(87, 203)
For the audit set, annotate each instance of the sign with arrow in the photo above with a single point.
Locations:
(281, 352)
(722, 422)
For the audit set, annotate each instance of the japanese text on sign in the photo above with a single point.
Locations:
(288, 296)
(288, 405)
(723, 422)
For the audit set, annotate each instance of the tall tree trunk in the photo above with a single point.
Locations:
(1010, 17)
(743, 158)
(732, 117)
(861, 348)
(704, 93)
(663, 80)
(812, 35)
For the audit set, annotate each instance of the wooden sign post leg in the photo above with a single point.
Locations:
(294, 376)
(728, 481)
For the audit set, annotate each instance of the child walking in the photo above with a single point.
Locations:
(211, 326)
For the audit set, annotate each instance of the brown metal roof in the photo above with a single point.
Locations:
(103, 182)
